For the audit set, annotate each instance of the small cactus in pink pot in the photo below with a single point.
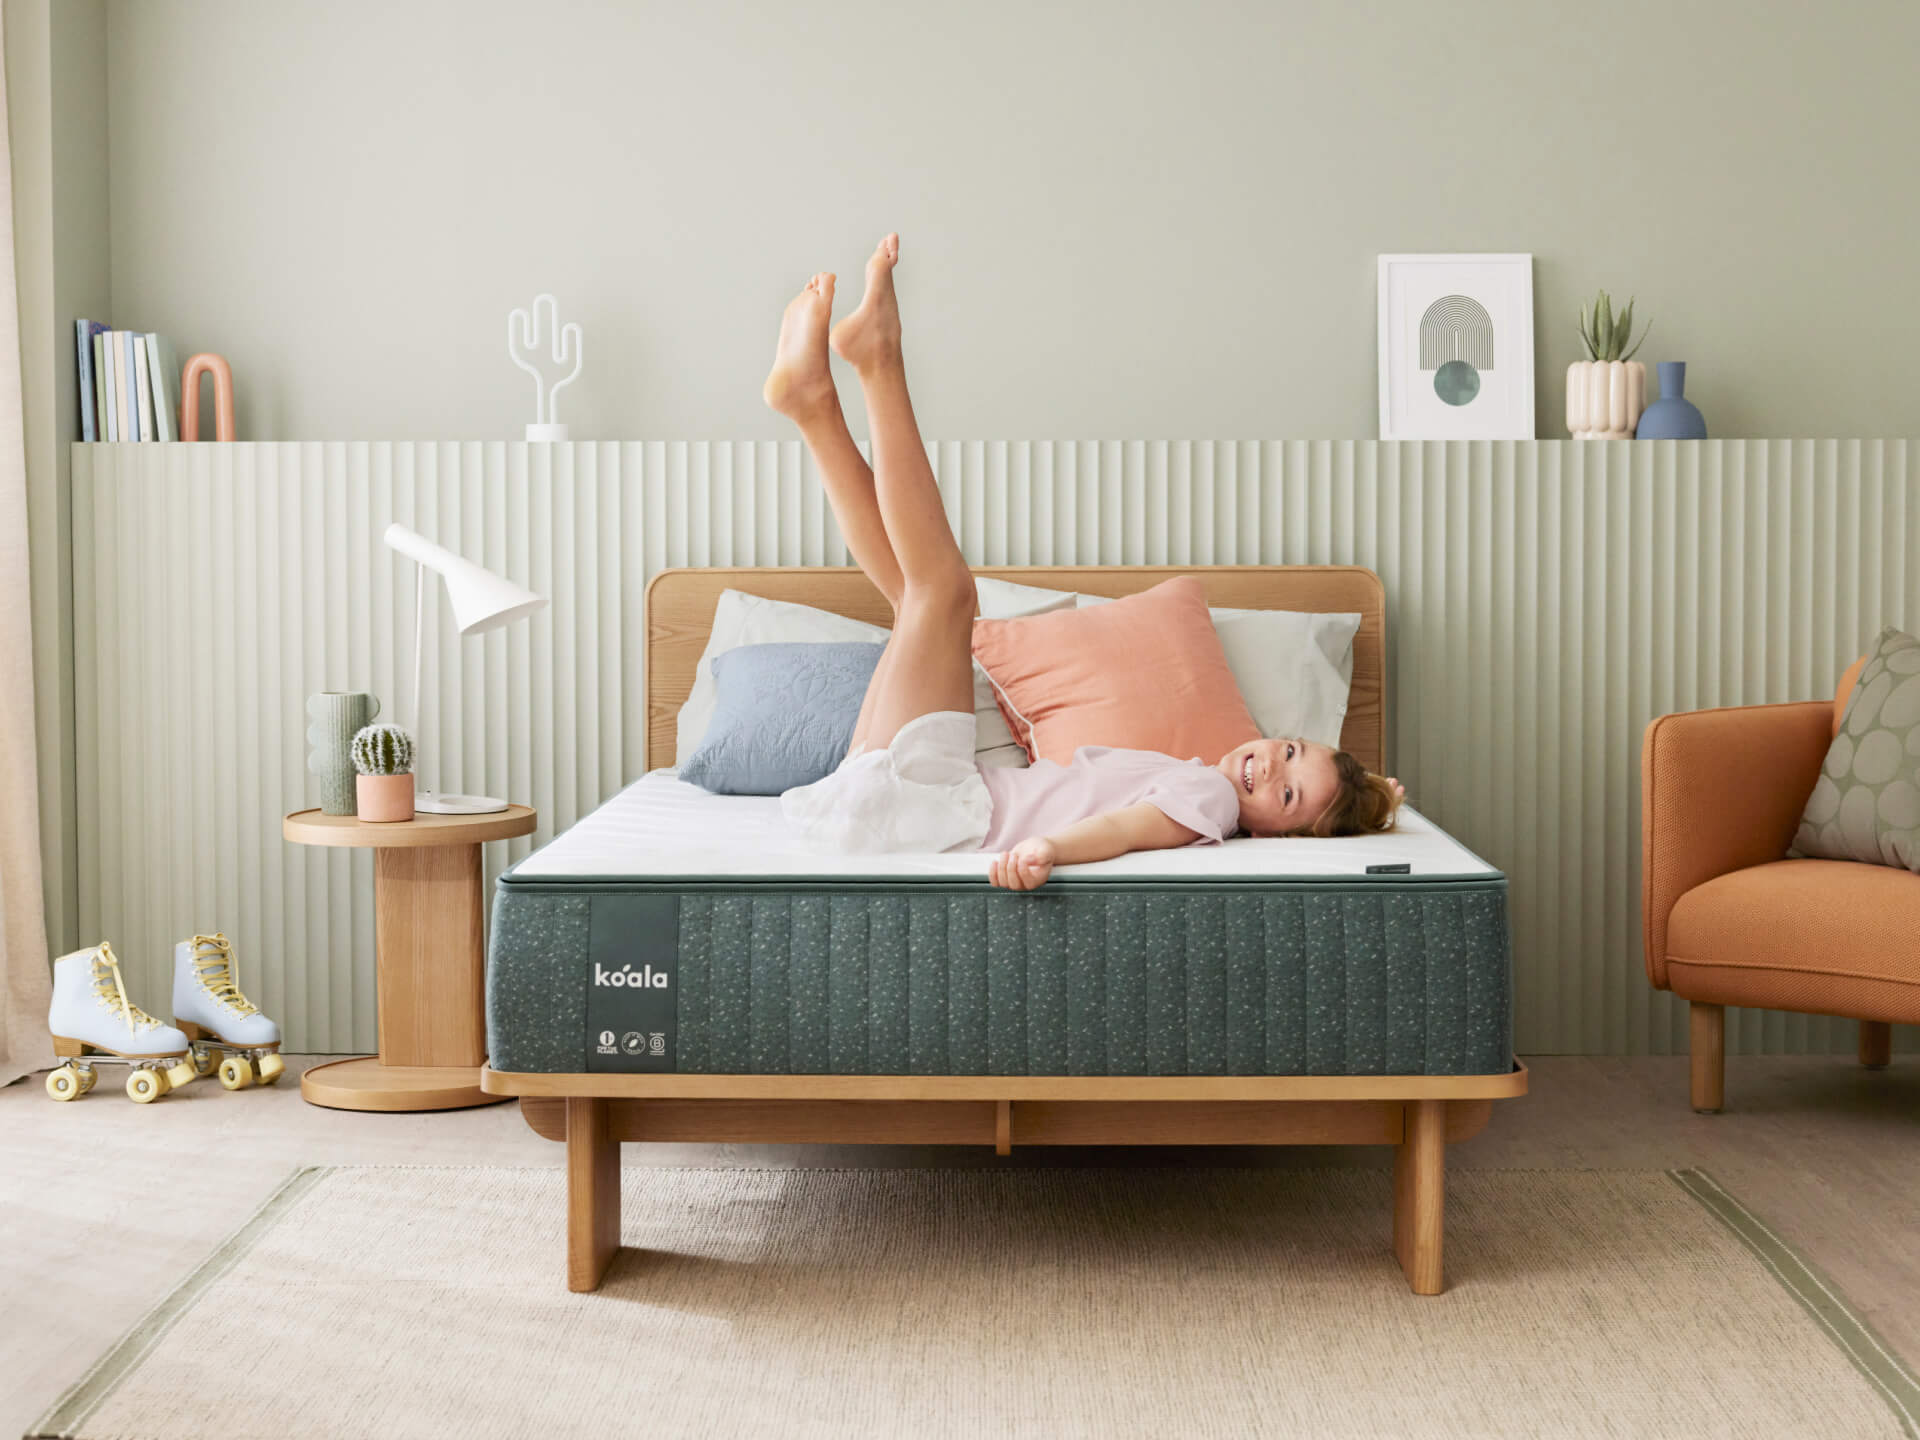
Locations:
(383, 756)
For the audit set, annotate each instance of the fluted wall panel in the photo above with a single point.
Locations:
(1544, 601)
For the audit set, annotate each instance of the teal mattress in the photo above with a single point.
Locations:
(674, 931)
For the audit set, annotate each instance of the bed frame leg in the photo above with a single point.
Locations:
(1419, 1195)
(593, 1191)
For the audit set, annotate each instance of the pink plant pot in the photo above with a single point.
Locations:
(384, 798)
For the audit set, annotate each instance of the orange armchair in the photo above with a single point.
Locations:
(1729, 921)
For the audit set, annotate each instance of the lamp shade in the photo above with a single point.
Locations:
(481, 600)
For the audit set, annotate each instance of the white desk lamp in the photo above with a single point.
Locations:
(481, 601)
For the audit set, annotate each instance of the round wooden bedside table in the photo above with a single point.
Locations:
(430, 983)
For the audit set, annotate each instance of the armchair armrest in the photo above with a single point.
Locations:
(1720, 790)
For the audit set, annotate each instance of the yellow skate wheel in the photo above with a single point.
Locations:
(67, 1083)
(235, 1073)
(205, 1060)
(88, 1079)
(146, 1086)
(182, 1072)
(271, 1068)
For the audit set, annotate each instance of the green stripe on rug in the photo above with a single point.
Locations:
(71, 1410)
(1817, 1295)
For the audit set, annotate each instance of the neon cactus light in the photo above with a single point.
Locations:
(524, 332)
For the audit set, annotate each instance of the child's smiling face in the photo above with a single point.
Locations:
(1283, 784)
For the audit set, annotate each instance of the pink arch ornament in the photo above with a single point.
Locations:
(222, 373)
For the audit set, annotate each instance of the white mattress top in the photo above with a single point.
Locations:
(660, 826)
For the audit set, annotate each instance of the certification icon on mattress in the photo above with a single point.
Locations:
(631, 980)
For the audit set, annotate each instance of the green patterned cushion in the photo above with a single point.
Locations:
(1866, 805)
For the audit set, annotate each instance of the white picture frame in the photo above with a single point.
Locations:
(1456, 347)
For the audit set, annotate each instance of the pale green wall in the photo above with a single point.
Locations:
(1120, 219)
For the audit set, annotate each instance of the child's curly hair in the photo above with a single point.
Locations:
(1363, 804)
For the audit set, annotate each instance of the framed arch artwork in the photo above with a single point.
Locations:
(1456, 347)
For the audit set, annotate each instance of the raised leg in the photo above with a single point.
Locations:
(1876, 1044)
(1708, 1035)
(800, 386)
(910, 503)
(593, 1192)
(929, 665)
(1420, 1194)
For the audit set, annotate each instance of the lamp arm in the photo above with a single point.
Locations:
(419, 636)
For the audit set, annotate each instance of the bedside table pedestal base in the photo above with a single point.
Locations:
(429, 931)
(369, 1084)
(431, 987)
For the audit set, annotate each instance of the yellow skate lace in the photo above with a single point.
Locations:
(213, 960)
(112, 990)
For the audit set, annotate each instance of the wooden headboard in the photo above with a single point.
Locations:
(680, 606)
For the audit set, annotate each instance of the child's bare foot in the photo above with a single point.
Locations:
(800, 383)
(871, 335)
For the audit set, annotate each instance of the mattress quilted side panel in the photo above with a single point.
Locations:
(536, 1001)
(1274, 981)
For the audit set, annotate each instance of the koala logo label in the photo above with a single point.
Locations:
(645, 978)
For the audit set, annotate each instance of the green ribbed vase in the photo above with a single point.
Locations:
(333, 718)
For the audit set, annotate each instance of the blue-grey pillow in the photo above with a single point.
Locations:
(783, 715)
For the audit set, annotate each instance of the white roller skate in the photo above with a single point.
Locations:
(208, 1006)
(92, 1019)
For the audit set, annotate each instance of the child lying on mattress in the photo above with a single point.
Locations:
(909, 782)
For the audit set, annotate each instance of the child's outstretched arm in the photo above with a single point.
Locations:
(1099, 837)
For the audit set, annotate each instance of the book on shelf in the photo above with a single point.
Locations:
(116, 407)
(100, 384)
(143, 387)
(129, 389)
(166, 387)
(117, 368)
(83, 355)
(129, 384)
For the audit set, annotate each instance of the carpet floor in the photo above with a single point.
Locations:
(1224, 1302)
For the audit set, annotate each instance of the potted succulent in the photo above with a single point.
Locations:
(1607, 391)
(383, 788)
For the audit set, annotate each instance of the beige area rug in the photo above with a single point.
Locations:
(1193, 1302)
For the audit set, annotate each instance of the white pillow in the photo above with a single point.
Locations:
(993, 742)
(742, 619)
(1294, 667)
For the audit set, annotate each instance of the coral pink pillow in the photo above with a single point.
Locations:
(1143, 673)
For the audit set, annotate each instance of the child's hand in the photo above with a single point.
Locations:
(1025, 867)
(1399, 790)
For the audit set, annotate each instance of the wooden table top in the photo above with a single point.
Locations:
(312, 827)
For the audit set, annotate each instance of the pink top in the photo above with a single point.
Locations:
(1048, 797)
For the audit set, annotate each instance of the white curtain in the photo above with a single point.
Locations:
(24, 1045)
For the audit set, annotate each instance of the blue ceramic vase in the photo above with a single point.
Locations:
(1672, 416)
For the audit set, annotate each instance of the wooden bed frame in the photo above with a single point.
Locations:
(1420, 1115)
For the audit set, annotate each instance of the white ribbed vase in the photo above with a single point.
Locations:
(1605, 398)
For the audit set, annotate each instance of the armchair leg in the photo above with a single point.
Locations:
(1876, 1044)
(1709, 1042)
